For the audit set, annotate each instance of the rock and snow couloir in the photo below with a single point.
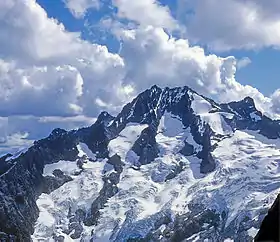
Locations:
(172, 166)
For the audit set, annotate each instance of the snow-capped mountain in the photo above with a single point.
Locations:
(172, 166)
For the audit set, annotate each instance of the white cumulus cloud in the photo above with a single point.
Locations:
(146, 12)
(233, 24)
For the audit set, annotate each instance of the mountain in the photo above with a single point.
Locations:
(173, 165)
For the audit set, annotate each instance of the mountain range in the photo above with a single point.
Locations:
(173, 165)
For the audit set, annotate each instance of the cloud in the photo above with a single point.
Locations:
(243, 62)
(79, 7)
(41, 63)
(275, 102)
(14, 143)
(29, 36)
(146, 12)
(75, 77)
(233, 24)
(39, 91)
(166, 61)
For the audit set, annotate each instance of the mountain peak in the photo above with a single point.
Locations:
(249, 100)
(168, 163)
(104, 117)
(155, 87)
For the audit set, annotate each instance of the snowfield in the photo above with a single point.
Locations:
(126, 139)
(243, 185)
(247, 179)
(216, 121)
(79, 193)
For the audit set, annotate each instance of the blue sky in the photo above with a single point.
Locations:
(62, 62)
(263, 72)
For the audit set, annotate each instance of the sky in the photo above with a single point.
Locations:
(63, 61)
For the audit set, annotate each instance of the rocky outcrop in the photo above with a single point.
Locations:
(75, 227)
(146, 146)
(97, 136)
(246, 116)
(184, 226)
(52, 183)
(270, 228)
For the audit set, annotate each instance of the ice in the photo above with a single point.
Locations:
(84, 150)
(126, 139)
(200, 105)
(245, 182)
(216, 121)
(189, 139)
(68, 167)
(79, 193)
(241, 182)
(247, 166)
(171, 134)
(145, 196)
(253, 232)
(171, 125)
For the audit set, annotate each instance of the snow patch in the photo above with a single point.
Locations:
(126, 139)
(255, 117)
(202, 108)
(252, 232)
(68, 167)
(200, 105)
(171, 125)
(246, 179)
(190, 140)
(76, 194)
(84, 150)
(247, 172)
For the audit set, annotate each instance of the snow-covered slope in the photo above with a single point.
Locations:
(243, 186)
(57, 207)
(172, 166)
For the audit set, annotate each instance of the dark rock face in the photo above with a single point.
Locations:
(187, 150)
(178, 168)
(133, 230)
(97, 136)
(5, 165)
(75, 224)
(207, 163)
(60, 145)
(146, 146)
(270, 228)
(52, 183)
(19, 190)
(184, 226)
(248, 117)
